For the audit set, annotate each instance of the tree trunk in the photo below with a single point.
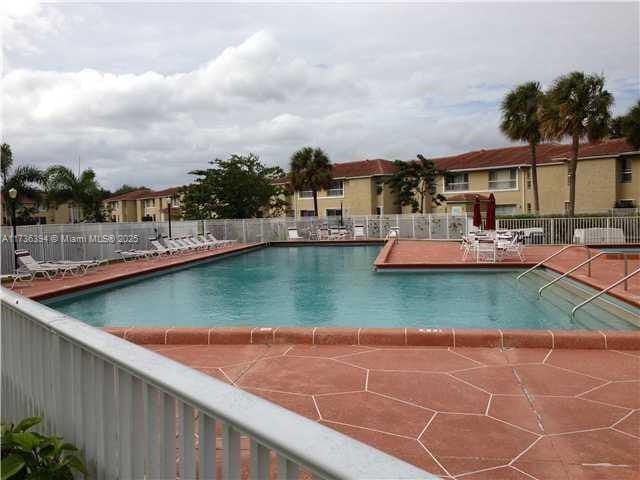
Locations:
(315, 202)
(534, 179)
(573, 167)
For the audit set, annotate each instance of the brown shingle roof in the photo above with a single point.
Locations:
(359, 168)
(144, 193)
(521, 155)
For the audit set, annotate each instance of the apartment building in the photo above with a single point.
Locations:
(607, 176)
(357, 188)
(144, 205)
(40, 213)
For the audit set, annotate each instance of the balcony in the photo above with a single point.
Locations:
(456, 187)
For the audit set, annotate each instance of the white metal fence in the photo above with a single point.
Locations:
(137, 414)
(81, 241)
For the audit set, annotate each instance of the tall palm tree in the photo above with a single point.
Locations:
(81, 191)
(521, 122)
(26, 179)
(310, 170)
(576, 106)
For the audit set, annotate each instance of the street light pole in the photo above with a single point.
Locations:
(13, 194)
(169, 212)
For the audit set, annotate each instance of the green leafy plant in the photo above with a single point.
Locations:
(32, 456)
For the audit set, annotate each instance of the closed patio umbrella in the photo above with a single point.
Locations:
(477, 216)
(491, 214)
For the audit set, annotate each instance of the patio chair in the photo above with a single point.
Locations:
(485, 250)
(178, 246)
(507, 248)
(468, 246)
(162, 250)
(195, 243)
(47, 270)
(394, 233)
(358, 231)
(84, 265)
(127, 255)
(293, 234)
(183, 243)
(209, 236)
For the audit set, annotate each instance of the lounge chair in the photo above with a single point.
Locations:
(293, 234)
(47, 270)
(207, 243)
(197, 243)
(162, 250)
(506, 248)
(175, 245)
(213, 239)
(183, 243)
(84, 265)
(133, 254)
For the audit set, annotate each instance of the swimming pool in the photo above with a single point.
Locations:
(322, 286)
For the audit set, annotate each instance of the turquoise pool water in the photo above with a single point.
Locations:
(320, 286)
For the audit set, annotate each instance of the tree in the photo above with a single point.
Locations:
(125, 188)
(26, 179)
(627, 126)
(577, 106)
(413, 181)
(239, 187)
(310, 170)
(521, 122)
(81, 191)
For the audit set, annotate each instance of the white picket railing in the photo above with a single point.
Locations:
(137, 414)
(81, 241)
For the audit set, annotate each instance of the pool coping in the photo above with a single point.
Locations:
(390, 337)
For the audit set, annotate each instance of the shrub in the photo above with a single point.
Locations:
(30, 455)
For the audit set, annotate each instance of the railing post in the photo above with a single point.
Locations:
(553, 235)
(244, 231)
(413, 225)
(429, 225)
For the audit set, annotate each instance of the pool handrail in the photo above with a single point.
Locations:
(128, 408)
(539, 264)
(571, 270)
(602, 292)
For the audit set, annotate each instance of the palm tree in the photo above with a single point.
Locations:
(310, 170)
(521, 122)
(578, 106)
(24, 178)
(80, 190)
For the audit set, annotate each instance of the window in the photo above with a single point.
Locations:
(456, 182)
(334, 212)
(336, 189)
(502, 179)
(149, 202)
(305, 193)
(568, 177)
(506, 209)
(456, 210)
(566, 207)
(528, 208)
(626, 171)
(529, 179)
(378, 210)
(307, 213)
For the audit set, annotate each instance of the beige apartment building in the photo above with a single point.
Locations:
(144, 205)
(43, 214)
(608, 176)
(358, 188)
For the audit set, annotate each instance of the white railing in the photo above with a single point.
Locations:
(82, 241)
(137, 414)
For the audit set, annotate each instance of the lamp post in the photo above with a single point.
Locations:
(169, 213)
(13, 194)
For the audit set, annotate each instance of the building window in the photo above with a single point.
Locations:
(307, 213)
(378, 210)
(626, 171)
(336, 189)
(502, 179)
(334, 212)
(456, 182)
(566, 207)
(529, 179)
(305, 193)
(568, 178)
(528, 208)
(149, 202)
(506, 210)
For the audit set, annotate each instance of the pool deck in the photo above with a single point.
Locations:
(605, 270)
(463, 413)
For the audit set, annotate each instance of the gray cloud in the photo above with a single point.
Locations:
(144, 93)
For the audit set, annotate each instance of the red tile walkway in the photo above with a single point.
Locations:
(605, 270)
(465, 413)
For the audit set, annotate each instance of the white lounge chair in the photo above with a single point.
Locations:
(45, 269)
(132, 254)
(162, 250)
(213, 239)
(208, 243)
(507, 248)
(84, 265)
(182, 243)
(293, 234)
(173, 244)
(26, 277)
(394, 232)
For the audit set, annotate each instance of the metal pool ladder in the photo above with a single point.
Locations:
(571, 270)
(566, 247)
(602, 292)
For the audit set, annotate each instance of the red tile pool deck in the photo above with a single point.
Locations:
(463, 413)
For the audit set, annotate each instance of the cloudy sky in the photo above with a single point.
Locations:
(142, 93)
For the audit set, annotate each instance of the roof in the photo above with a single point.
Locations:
(143, 193)
(359, 168)
(521, 155)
